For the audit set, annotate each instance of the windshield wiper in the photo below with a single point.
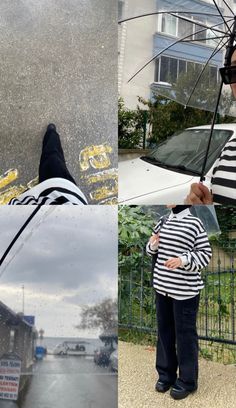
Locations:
(182, 167)
(157, 162)
(150, 159)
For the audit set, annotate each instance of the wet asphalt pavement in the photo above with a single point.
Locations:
(69, 382)
(58, 63)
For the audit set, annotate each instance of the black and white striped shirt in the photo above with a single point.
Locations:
(224, 175)
(182, 235)
(54, 191)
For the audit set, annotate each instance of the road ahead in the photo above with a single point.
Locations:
(71, 382)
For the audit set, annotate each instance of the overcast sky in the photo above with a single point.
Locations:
(66, 258)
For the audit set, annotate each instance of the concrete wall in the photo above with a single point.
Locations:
(136, 46)
(4, 338)
(16, 336)
(24, 345)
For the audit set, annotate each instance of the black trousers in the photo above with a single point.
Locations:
(177, 343)
(52, 162)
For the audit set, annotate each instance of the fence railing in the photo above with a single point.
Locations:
(217, 311)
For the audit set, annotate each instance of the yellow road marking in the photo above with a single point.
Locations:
(8, 177)
(95, 157)
(103, 182)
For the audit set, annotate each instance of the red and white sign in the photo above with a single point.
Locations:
(9, 379)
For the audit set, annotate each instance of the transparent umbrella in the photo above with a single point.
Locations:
(183, 60)
(206, 213)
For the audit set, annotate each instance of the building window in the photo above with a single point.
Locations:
(170, 25)
(168, 69)
(200, 36)
(185, 28)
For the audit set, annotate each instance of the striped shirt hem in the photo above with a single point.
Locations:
(55, 191)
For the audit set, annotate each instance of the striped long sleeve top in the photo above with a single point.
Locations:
(181, 236)
(223, 182)
(54, 191)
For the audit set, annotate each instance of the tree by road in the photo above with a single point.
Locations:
(103, 315)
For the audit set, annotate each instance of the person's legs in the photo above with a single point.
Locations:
(185, 313)
(52, 162)
(166, 360)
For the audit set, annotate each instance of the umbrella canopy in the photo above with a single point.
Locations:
(175, 49)
(206, 213)
(186, 53)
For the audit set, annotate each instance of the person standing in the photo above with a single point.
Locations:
(182, 249)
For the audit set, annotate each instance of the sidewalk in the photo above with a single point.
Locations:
(137, 377)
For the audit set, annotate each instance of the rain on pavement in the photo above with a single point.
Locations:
(70, 382)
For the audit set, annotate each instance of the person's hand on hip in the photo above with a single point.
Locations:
(173, 263)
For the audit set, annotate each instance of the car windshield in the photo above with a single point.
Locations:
(185, 151)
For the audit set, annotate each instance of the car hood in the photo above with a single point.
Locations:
(138, 178)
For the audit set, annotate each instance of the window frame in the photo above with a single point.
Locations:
(157, 71)
(208, 42)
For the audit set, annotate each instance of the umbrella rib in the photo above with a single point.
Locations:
(19, 233)
(230, 9)
(214, 38)
(207, 38)
(198, 23)
(215, 51)
(168, 12)
(221, 14)
(165, 49)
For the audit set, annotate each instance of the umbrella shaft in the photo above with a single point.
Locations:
(211, 133)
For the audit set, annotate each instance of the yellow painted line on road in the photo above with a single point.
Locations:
(108, 185)
(102, 181)
(10, 193)
(95, 156)
(102, 176)
(8, 177)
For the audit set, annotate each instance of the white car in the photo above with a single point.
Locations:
(165, 175)
(71, 348)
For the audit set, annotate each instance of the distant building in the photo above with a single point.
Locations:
(140, 39)
(17, 336)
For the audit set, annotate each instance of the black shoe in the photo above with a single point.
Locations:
(177, 392)
(162, 386)
(51, 126)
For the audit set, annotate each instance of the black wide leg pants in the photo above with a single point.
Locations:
(177, 343)
(52, 162)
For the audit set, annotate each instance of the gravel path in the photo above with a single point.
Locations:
(137, 377)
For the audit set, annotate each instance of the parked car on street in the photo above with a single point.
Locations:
(164, 175)
(71, 348)
(102, 356)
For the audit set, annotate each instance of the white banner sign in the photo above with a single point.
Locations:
(9, 379)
